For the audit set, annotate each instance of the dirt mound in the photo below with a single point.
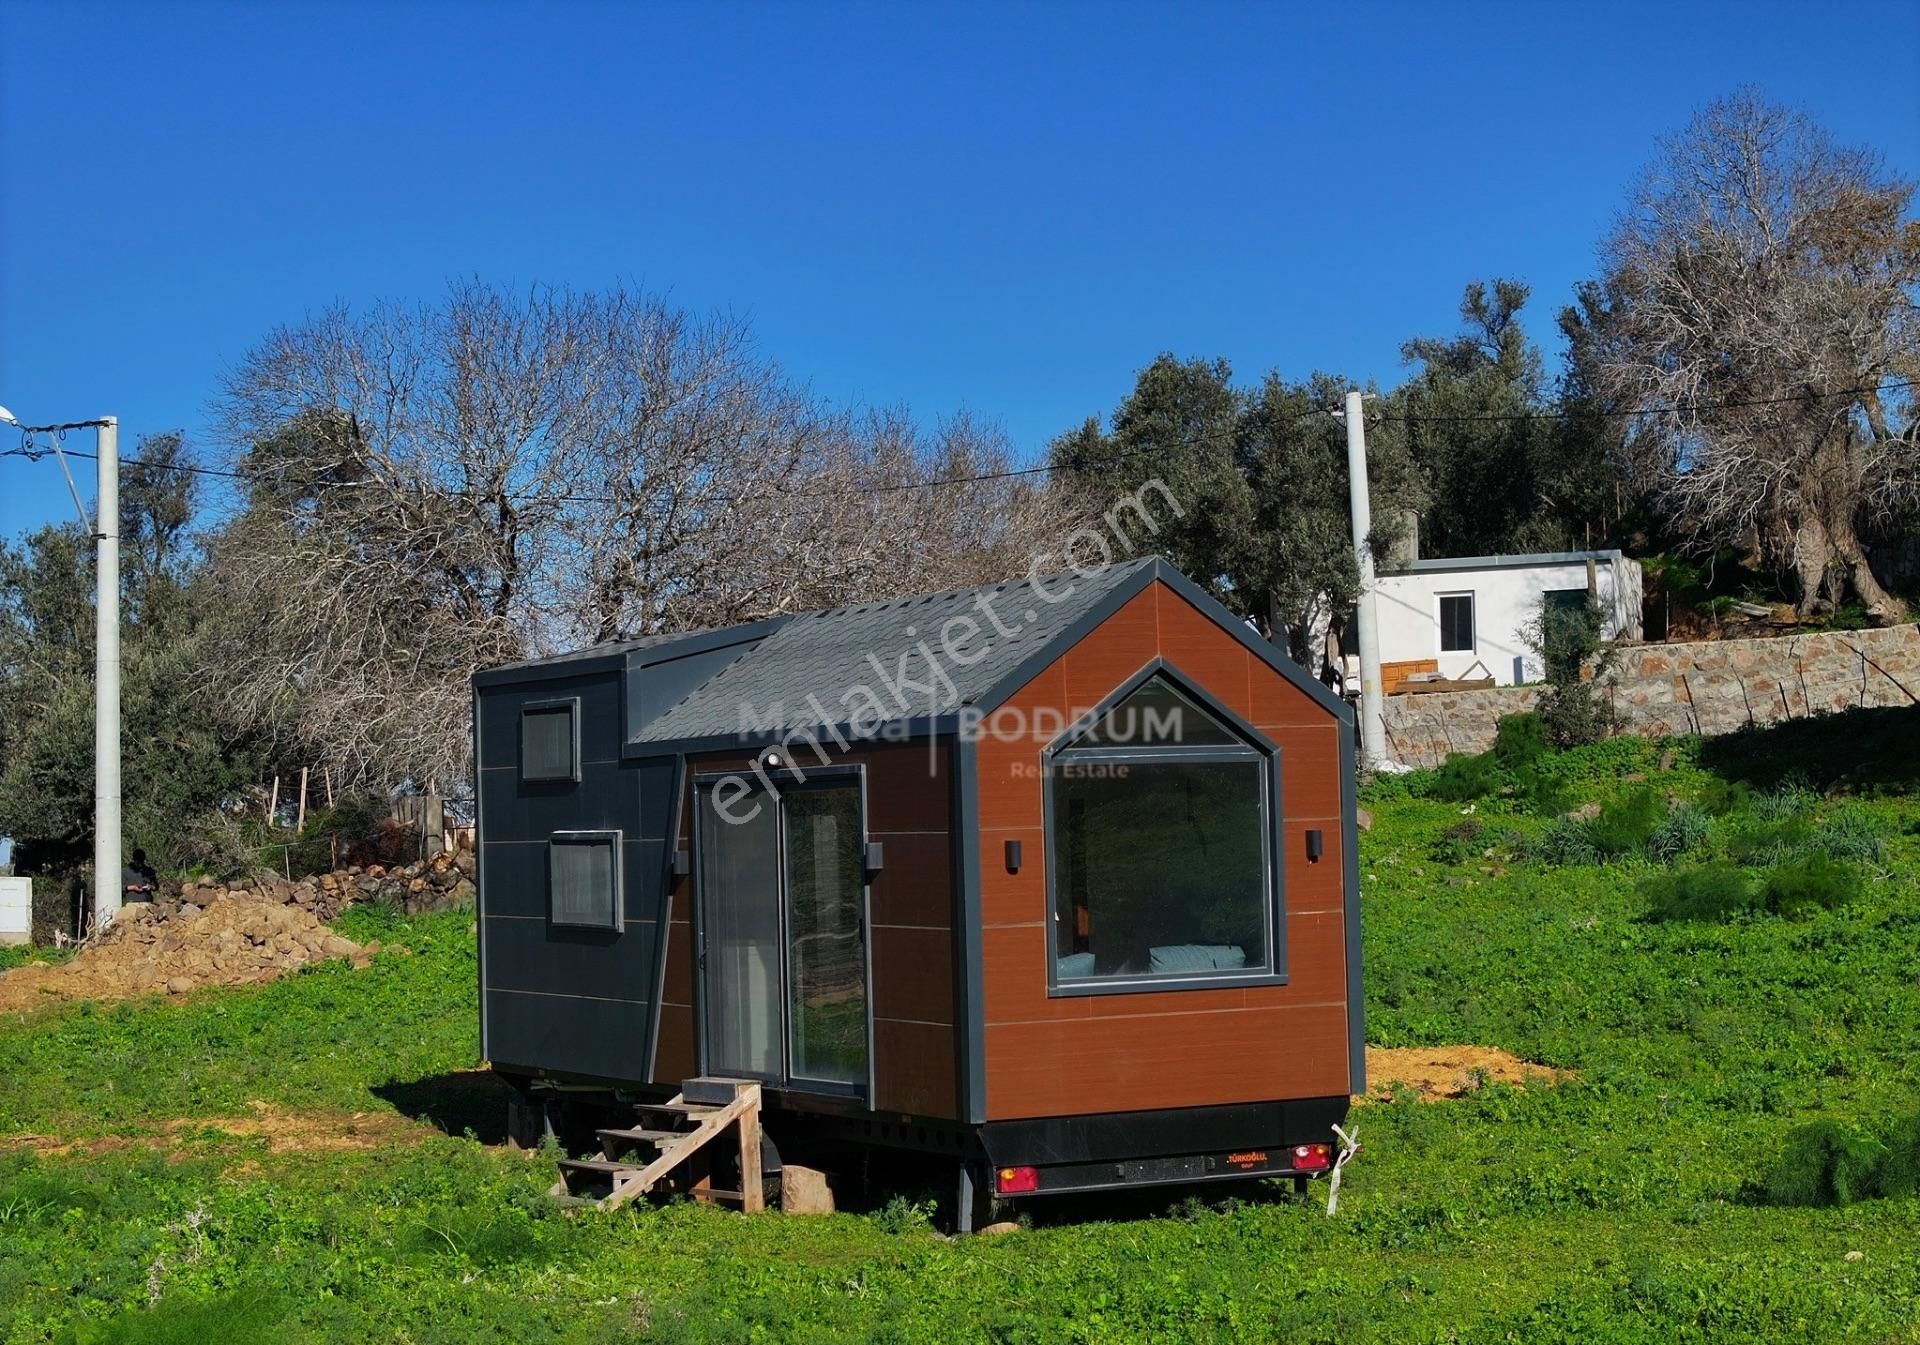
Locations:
(237, 938)
(1437, 1072)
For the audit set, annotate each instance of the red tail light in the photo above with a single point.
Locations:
(1017, 1181)
(1312, 1157)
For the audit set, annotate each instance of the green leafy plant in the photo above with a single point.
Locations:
(1683, 830)
(1625, 826)
(1460, 842)
(1811, 883)
(1575, 708)
(1710, 892)
(1464, 778)
(1565, 842)
(1520, 741)
(1824, 1164)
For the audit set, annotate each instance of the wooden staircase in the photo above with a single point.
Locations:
(673, 1149)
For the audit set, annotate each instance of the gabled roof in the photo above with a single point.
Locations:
(917, 661)
(914, 658)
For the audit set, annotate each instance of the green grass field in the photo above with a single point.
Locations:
(1623, 1205)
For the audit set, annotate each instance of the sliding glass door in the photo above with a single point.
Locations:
(783, 923)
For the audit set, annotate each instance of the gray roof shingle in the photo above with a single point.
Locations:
(885, 661)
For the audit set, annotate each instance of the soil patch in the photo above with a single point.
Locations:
(286, 1132)
(173, 948)
(1439, 1072)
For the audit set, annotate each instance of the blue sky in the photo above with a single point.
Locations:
(1002, 209)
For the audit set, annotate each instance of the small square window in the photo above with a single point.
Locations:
(1456, 623)
(583, 879)
(550, 741)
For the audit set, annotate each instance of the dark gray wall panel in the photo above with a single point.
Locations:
(597, 1037)
(600, 717)
(607, 797)
(654, 784)
(589, 1010)
(531, 955)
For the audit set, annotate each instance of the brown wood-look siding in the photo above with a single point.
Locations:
(1184, 1048)
(910, 944)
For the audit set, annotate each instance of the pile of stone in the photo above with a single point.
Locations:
(436, 884)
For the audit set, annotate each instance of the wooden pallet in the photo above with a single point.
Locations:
(683, 1128)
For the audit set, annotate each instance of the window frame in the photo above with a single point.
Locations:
(571, 704)
(1253, 746)
(616, 839)
(1473, 620)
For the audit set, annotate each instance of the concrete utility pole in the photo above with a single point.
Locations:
(106, 651)
(106, 682)
(1373, 724)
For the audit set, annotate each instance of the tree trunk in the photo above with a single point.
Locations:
(1828, 561)
(1851, 560)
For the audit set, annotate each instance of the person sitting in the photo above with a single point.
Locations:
(137, 881)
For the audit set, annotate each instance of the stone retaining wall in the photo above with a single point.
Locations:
(1706, 686)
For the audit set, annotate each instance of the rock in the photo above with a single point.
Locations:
(1363, 819)
(464, 861)
(804, 1191)
(996, 1230)
(179, 985)
(1586, 812)
(462, 893)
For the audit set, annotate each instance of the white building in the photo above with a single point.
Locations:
(1449, 615)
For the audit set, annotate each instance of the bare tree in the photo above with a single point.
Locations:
(436, 489)
(1760, 300)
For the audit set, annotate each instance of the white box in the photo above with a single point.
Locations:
(16, 910)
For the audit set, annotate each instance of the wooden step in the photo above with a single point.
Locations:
(739, 1120)
(713, 1090)
(693, 1109)
(658, 1138)
(599, 1167)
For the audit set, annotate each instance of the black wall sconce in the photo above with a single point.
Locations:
(1316, 844)
(1013, 856)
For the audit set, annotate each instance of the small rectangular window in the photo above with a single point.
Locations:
(583, 879)
(1456, 623)
(550, 741)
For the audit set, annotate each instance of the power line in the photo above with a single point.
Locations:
(1105, 459)
(1636, 412)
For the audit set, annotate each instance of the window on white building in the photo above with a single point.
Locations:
(1456, 623)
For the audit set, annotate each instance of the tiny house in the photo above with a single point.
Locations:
(1054, 878)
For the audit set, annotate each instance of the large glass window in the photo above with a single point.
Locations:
(1162, 863)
